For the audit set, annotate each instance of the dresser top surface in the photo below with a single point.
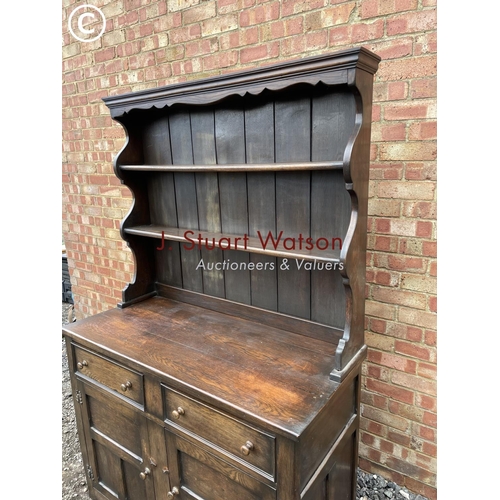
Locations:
(269, 374)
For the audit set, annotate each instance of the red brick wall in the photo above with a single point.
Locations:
(151, 43)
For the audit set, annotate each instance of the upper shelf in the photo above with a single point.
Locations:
(322, 250)
(237, 167)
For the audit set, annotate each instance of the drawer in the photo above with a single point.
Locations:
(242, 441)
(122, 380)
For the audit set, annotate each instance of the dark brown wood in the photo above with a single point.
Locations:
(231, 369)
(238, 167)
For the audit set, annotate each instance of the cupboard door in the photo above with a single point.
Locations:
(116, 440)
(197, 474)
(337, 480)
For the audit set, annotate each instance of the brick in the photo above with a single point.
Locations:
(419, 283)
(425, 43)
(375, 400)
(203, 11)
(399, 263)
(397, 90)
(229, 6)
(407, 69)
(400, 297)
(429, 248)
(426, 402)
(411, 22)
(366, 31)
(201, 47)
(433, 304)
(375, 8)
(175, 5)
(385, 244)
(424, 130)
(423, 88)
(433, 268)
(430, 419)
(183, 34)
(260, 14)
(293, 45)
(386, 278)
(386, 170)
(410, 246)
(408, 411)
(220, 60)
(242, 37)
(406, 110)
(393, 49)
(385, 418)
(427, 370)
(419, 384)
(373, 427)
(379, 310)
(406, 190)
(266, 51)
(421, 171)
(377, 325)
(417, 318)
(430, 449)
(393, 361)
(219, 25)
(376, 372)
(325, 18)
(380, 342)
(383, 225)
(388, 132)
(403, 227)
(408, 469)
(413, 350)
(424, 229)
(384, 208)
(399, 438)
(290, 7)
(316, 40)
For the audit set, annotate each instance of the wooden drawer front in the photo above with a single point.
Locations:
(119, 379)
(231, 435)
(205, 477)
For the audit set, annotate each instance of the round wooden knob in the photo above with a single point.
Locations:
(80, 365)
(247, 448)
(171, 494)
(177, 413)
(126, 385)
(145, 474)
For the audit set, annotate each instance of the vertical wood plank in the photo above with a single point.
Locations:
(333, 115)
(261, 187)
(159, 455)
(286, 464)
(330, 202)
(185, 194)
(163, 212)
(330, 213)
(207, 192)
(156, 143)
(230, 144)
(293, 127)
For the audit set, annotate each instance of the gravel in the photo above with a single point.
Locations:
(74, 484)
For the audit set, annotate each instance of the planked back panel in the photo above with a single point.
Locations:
(272, 127)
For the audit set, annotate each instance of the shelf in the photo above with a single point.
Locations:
(237, 167)
(281, 245)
